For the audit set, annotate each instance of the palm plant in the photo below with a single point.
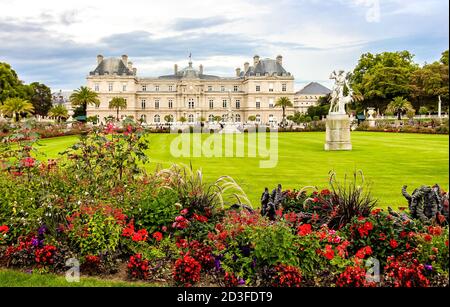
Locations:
(59, 112)
(218, 118)
(284, 102)
(252, 118)
(118, 103)
(83, 97)
(168, 118)
(398, 106)
(14, 107)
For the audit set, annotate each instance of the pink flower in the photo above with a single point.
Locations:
(184, 211)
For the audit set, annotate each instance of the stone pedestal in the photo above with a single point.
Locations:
(338, 132)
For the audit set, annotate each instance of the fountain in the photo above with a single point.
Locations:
(229, 126)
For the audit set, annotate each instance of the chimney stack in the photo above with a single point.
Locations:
(134, 71)
(125, 59)
(255, 60)
(238, 72)
(201, 69)
(175, 69)
(130, 65)
(99, 58)
(280, 60)
(246, 66)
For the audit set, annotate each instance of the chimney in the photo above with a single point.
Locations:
(255, 60)
(238, 72)
(99, 58)
(280, 60)
(134, 71)
(130, 65)
(125, 59)
(201, 69)
(175, 69)
(246, 66)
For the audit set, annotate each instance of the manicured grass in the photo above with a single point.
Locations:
(12, 278)
(388, 161)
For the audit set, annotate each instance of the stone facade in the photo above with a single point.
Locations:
(189, 93)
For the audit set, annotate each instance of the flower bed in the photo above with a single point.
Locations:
(98, 205)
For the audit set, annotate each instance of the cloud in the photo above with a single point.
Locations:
(186, 24)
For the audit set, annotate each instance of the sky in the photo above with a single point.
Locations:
(56, 42)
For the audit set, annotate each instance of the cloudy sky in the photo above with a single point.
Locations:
(56, 42)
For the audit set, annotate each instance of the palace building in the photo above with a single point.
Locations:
(192, 94)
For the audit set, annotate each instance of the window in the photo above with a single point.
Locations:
(143, 102)
(224, 103)
(235, 88)
(191, 103)
(258, 88)
(209, 88)
(238, 104)
(211, 118)
(157, 118)
(237, 118)
(222, 88)
(143, 118)
(157, 88)
(110, 87)
(124, 87)
(156, 103)
(283, 87)
(224, 117)
(211, 104)
(258, 118)
(191, 118)
(170, 88)
(270, 87)
(170, 103)
(258, 103)
(270, 102)
(270, 118)
(144, 88)
(96, 87)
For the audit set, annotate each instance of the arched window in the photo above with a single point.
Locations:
(211, 118)
(271, 118)
(224, 117)
(237, 118)
(258, 118)
(143, 118)
(191, 118)
(157, 118)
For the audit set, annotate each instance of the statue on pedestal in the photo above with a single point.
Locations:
(338, 100)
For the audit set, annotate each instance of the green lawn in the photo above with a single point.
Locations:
(12, 278)
(388, 161)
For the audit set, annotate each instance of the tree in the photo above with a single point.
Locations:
(168, 118)
(59, 112)
(283, 102)
(217, 118)
(202, 119)
(16, 107)
(381, 77)
(423, 111)
(183, 119)
(118, 103)
(252, 118)
(41, 98)
(9, 82)
(398, 106)
(83, 97)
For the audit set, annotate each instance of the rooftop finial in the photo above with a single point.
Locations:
(190, 59)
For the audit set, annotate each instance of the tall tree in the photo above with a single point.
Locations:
(283, 103)
(118, 103)
(382, 77)
(83, 97)
(16, 107)
(41, 98)
(9, 82)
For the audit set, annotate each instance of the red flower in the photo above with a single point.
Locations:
(4, 229)
(184, 211)
(329, 252)
(382, 237)
(365, 228)
(28, 162)
(138, 267)
(287, 276)
(187, 271)
(363, 252)
(157, 236)
(393, 243)
(141, 235)
(304, 230)
(325, 192)
(428, 237)
(200, 218)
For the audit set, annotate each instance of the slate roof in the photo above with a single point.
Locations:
(314, 88)
(272, 67)
(112, 66)
(190, 73)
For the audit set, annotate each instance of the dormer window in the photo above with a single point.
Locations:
(144, 88)
(209, 88)
(283, 87)
(270, 87)
(110, 87)
(222, 88)
(235, 88)
(157, 88)
(96, 87)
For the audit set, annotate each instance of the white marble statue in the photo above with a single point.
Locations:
(338, 100)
